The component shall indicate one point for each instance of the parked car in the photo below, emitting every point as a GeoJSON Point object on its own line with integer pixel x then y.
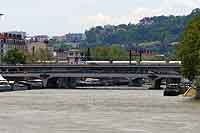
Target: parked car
{"type": "Point", "coordinates": [172, 90]}
{"type": "Point", "coordinates": [172, 87]}
{"type": "Point", "coordinates": [90, 82]}
{"type": "Point", "coordinates": [20, 86]}
{"type": "Point", "coordinates": [30, 84]}
{"type": "Point", "coordinates": [4, 86]}
{"type": "Point", "coordinates": [25, 83]}
{"type": "Point", "coordinates": [185, 85]}
{"type": "Point", "coordinates": [35, 84]}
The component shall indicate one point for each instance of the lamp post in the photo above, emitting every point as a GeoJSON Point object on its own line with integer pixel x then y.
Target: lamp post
{"type": "Point", "coordinates": [130, 56]}
{"type": "Point", "coordinates": [1, 54]}
{"type": "Point", "coordinates": [1, 15]}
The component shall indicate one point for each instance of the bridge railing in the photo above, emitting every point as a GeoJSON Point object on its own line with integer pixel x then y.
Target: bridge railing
{"type": "Point", "coordinates": [88, 72]}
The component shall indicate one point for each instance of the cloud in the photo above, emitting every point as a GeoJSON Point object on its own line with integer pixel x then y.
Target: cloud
{"type": "Point", "coordinates": [131, 17]}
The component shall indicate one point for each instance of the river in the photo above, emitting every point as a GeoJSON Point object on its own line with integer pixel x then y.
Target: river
{"type": "Point", "coordinates": [97, 111]}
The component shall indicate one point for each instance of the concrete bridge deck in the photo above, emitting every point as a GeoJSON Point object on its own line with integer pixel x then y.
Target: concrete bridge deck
{"type": "Point", "coordinates": [95, 75]}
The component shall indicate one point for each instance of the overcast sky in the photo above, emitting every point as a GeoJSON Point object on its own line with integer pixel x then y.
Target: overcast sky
{"type": "Point", "coordinates": [57, 17]}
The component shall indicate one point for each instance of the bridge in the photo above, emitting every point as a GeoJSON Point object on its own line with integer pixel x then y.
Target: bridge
{"type": "Point", "coordinates": [68, 74]}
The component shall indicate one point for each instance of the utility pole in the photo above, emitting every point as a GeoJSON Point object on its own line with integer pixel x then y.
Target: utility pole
{"type": "Point", "coordinates": [88, 54]}
{"type": "Point", "coordinates": [130, 56]}
{"type": "Point", "coordinates": [140, 52]}
{"type": "Point", "coordinates": [1, 52]}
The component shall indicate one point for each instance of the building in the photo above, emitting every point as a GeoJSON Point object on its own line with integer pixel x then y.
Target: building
{"type": "Point", "coordinates": [34, 46]}
{"type": "Point", "coordinates": [69, 56]}
{"type": "Point", "coordinates": [21, 33]}
{"type": "Point", "coordinates": [146, 21]}
{"type": "Point", "coordinates": [40, 38]}
{"type": "Point", "coordinates": [10, 41]}
{"type": "Point", "coordinates": [74, 56]}
{"type": "Point", "coordinates": [60, 54]}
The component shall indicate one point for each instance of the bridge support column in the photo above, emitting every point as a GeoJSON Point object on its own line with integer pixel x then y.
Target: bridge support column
{"type": "Point", "coordinates": [156, 84]}
{"type": "Point", "coordinates": [45, 83]}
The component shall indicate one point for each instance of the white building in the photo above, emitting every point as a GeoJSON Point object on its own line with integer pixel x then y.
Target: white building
{"type": "Point", "coordinates": [40, 38]}
{"type": "Point", "coordinates": [74, 56]}
{"type": "Point", "coordinates": [21, 33]}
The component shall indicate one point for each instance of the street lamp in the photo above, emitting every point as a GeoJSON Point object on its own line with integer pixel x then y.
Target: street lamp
{"type": "Point", "coordinates": [1, 14]}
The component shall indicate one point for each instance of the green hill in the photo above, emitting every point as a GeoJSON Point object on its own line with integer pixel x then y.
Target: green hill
{"type": "Point", "coordinates": [158, 32]}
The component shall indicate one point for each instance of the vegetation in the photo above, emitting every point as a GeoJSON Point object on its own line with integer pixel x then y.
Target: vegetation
{"type": "Point", "coordinates": [102, 53]}
{"type": "Point", "coordinates": [160, 32]}
{"type": "Point", "coordinates": [41, 55]}
{"type": "Point", "coordinates": [115, 53]}
{"type": "Point", "coordinates": [15, 56]}
{"type": "Point", "coordinates": [189, 50]}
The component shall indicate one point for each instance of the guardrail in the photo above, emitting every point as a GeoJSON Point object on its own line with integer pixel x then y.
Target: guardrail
{"type": "Point", "coordinates": [88, 72]}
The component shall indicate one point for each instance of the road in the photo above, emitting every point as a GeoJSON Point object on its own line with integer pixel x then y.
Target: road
{"type": "Point", "coordinates": [97, 111]}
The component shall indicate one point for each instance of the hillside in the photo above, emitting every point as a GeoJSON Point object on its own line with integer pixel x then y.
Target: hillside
{"type": "Point", "coordinates": [162, 31]}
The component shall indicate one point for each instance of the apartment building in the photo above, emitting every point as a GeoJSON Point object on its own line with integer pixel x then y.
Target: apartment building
{"type": "Point", "coordinates": [10, 41]}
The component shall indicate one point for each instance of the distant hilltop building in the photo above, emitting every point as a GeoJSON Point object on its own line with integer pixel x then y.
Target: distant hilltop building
{"type": "Point", "coordinates": [146, 21]}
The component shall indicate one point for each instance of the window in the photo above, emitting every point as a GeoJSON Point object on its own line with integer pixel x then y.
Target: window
{"type": "Point", "coordinates": [71, 53]}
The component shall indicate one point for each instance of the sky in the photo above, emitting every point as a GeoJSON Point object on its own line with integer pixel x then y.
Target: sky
{"type": "Point", "coordinates": [58, 17]}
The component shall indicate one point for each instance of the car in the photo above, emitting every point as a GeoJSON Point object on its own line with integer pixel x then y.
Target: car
{"type": "Point", "coordinates": [172, 87]}
{"type": "Point", "coordinates": [35, 83]}
{"type": "Point", "coordinates": [172, 90]}
{"type": "Point", "coordinates": [5, 86]}
{"type": "Point", "coordinates": [20, 86]}
{"type": "Point", "coordinates": [25, 83]}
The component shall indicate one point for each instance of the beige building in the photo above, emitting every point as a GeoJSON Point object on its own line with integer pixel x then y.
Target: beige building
{"type": "Point", "coordinates": [34, 46]}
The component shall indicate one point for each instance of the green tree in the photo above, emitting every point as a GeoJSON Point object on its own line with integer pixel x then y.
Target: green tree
{"type": "Point", "coordinates": [114, 52]}
{"type": "Point", "coordinates": [189, 50]}
{"type": "Point", "coordinates": [42, 55]}
{"type": "Point", "coordinates": [14, 56]}
{"type": "Point", "coordinates": [118, 53]}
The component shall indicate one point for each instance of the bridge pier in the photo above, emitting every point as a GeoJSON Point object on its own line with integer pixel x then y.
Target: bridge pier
{"type": "Point", "coordinates": [45, 82]}
{"type": "Point", "coordinates": [156, 83]}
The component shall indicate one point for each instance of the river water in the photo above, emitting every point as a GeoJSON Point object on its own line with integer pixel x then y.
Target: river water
{"type": "Point", "coordinates": [97, 111]}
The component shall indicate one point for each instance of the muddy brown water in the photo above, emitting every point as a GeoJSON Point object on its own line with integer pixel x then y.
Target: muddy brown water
{"type": "Point", "coordinates": [97, 111]}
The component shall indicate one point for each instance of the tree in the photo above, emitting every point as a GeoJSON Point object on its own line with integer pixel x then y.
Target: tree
{"type": "Point", "coordinates": [14, 56]}
{"type": "Point", "coordinates": [189, 50]}
{"type": "Point", "coordinates": [118, 53]}
{"type": "Point", "coordinates": [42, 55]}
{"type": "Point", "coordinates": [114, 52]}
{"type": "Point", "coordinates": [164, 29]}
